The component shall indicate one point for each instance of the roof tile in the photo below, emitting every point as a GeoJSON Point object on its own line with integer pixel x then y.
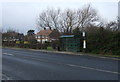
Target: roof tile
{"type": "Point", "coordinates": [44, 32]}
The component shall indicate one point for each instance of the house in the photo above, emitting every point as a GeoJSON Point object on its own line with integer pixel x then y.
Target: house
{"type": "Point", "coordinates": [12, 36]}
{"type": "Point", "coordinates": [47, 35]}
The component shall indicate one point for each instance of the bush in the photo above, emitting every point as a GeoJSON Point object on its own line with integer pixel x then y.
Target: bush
{"type": "Point", "coordinates": [103, 41]}
{"type": "Point", "coordinates": [55, 44]}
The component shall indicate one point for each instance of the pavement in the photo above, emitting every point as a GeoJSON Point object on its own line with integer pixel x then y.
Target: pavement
{"type": "Point", "coordinates": [29, 64]}
{"type": "Point", "coordinates": [79, 53]}
{"type": "Point", "coordinates": [73, 53]}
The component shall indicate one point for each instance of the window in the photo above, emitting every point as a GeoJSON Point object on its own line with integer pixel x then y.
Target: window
{"type": "Point", "coordinates": [36, 36]}
{"type": "Point", "coordinates": [38, 40]}
{"type": "Point", "coordinates": [42, 36]}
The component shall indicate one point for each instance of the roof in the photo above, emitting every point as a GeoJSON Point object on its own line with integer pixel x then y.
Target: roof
{"type": "Point", "coordinates": [44, 32]}
{"type": "Point", "coordinates": [68, 36]}
{"type": "Point", "coordinates": [11, 33]}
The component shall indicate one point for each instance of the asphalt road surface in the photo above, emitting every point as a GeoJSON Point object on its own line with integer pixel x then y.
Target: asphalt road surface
{"type": "Point", "coordinates": [22, 64]}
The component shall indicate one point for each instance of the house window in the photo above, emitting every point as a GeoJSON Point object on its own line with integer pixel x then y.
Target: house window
{"type": "Point", "coordinates": [36, 36]}
{"type": "Point", "coordinates": [38, 40]}
{"type": "Point", "coordinates": [43, 36]}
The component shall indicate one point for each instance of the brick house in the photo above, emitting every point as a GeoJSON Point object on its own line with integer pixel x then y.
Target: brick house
{"type": "Point", "coordinates": [47, 35]}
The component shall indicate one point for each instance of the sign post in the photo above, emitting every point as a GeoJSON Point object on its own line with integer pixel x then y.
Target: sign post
{"type": "Point", "coordinates": [84, 41]}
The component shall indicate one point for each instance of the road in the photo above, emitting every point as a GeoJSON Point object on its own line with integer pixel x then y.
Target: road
{"type": "Point", "coordinates": [23, 64]}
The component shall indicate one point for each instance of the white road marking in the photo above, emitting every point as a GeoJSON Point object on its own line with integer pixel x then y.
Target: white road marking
{"type": "Point", "coordinates": [93, 68]}
{"type": "Point", "coordinates": [8, 54]}
{"type": "Point", "coordinates": [5, 77]}
{"type": "Point", "coordinates": [84, 67]}
{"type": "Point", "coordinates": [106, 58]}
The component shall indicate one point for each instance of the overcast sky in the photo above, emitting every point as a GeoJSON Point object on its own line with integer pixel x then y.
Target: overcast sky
{"type": "Point", "coordinates": [22, 15]}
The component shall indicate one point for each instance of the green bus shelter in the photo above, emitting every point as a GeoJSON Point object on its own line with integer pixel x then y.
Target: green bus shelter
{"type": "Point", "coordinates": [70, 43]}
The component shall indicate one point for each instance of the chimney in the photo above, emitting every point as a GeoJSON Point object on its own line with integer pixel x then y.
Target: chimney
{"type": "Point", "coordinates": [50, 28]}
{"type": "Point", "coordinates": [44, 28]}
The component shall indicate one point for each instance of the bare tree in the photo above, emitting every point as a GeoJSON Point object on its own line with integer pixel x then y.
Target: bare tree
{"type": "Point", "coordinates": [86, 17]}
{"type": "Point", "coordinates": [112, 25]}
{"type": "Point", "coordinates": [49, 18]}
{"type": "Point", "coordinates": [67, 20]}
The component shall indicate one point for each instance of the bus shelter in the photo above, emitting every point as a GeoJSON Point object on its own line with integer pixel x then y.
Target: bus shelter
{"type": "Point", "coordinates": [70, 43]}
